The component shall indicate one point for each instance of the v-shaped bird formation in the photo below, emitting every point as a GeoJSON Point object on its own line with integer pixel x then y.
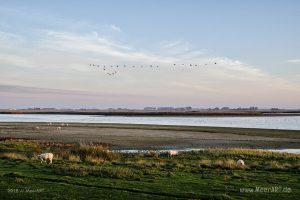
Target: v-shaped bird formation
{"type": "Point", "coordinates": [112, 70]}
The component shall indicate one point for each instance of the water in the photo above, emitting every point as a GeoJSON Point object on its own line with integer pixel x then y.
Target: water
{"type": "Point", "coordinates": [292, 151]}
{"type": "Point", "coordinates": [267, 122]}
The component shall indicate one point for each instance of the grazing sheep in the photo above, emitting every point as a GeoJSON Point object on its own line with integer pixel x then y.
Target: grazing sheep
{"type": "Point", "coordinates": [172, 153]}
{"type": "Point", "coordinates": [62, 124]}
{"type": "Point", "coordinates": [67, 124]}
{"type": "Point", "coordinates": [240, 163]}
{"type": "Point", "coordinates": [46, 156]}
{"type": "Point", "coordinates": [58, 128]}
{"type": "Point", "coordinates": [49, 124]}
{"type": "Point", "coordinates": [37, 128]}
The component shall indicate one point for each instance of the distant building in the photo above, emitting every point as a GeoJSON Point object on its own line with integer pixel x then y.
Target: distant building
{"type": "Point", "coordinates": [48, 109]}
{"type": "Point", "coordinates": [225, 108]}
{"type": "Point", "coordinates": [189, 108]}
{"type": "Point", "coordinates": [180, 109]}
{"type": "Point", "coordinates": [34, 108]}
{"type": "Point", "coordinates": [274, 109]}
{"type": "Point", "coordinates": [150, 108]}
{"type": "Point", "coordinates": [253, 108]}
{"type": "Point", "coordinates": [250, 108]}
{"type": "Point", "coordinates": [165, 108]}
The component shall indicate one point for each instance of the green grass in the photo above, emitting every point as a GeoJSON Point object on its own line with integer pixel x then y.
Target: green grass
{"type": "Point", "coordinates": [91, 171]}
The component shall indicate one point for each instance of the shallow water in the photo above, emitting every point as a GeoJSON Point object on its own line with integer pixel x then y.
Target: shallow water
{"type": "Point", "coordinates": [267, 122]}
{"type": "Point", "coordinates": [293, 151]}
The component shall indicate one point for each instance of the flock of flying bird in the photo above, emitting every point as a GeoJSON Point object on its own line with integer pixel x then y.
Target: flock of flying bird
{"type": "Point", "coordinates": [112, 69]}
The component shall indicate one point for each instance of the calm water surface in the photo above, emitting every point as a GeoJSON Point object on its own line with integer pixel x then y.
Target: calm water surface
{"type": "Point", "coordinates": [278, 122]}
{"type": "Point", "coordinates": [293, 151]}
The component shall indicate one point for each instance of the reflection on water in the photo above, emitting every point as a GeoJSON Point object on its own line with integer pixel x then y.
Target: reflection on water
{"type": "Point", "coordinates": [278, 122]}
{"type": "Point", "coordinates": [293, 151]}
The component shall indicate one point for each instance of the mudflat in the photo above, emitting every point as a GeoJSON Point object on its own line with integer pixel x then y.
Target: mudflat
{"type": "Point", "coordinates": [133, 136]}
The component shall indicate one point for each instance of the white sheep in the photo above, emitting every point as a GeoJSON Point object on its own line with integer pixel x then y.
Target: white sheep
{"type": "Point", "coordinates": [62, 124]}
{"type": "Point", "coordinates": [37, 128]}
{"type": "Point", "coordinates": [172, 153]}
{"type": "Point", "coordinates": [58, 128]}
{"type": "Point", "coordinates": [240, 163]}
{"type": "Point", "coordinates": [49, 124]}
{"type": "Point", "coordinates": [46, 156]}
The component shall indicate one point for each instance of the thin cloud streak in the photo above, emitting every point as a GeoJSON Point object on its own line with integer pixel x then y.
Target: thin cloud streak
{"type": "Point", "coordinates": [293, 61]}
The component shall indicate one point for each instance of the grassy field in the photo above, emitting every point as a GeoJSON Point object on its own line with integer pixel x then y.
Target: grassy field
{"type": "Point", "coordinates": [91, 171]}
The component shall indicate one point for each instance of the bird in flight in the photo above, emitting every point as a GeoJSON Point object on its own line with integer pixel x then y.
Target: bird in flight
{"type": "Point", "coordinates": [152, 66]}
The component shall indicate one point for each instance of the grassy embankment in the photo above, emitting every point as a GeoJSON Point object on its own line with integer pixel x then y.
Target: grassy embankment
{"type": "Point", "coordinates": [91, 171]}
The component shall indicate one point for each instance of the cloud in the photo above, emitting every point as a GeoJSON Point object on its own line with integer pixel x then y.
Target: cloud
{"type": "Point", "coordinates": [97, 45]}
{"type": "Point", "coordinates": [180, 48]}
{"type": "Point", "coordinates": [20, 97]}
{"type": "Point", "coordinates": [293, 61]}
{"type": "Point", "coordinates": [115, 28]}
{"type": "Point", "coordinates": [181, 44]}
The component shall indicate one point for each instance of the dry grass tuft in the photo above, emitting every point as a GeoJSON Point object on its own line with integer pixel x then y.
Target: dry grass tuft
{"type": "Point", "coordinates": [250, 153]}
{"type": "Point", "coordinates": [94, 160]}
{"type": "Point", "coordinates": [84, 150]}
{"type": "Point", "coordinates": [229, 164]}
{"type": "Point", "coordinates": [219, 163]}
{"type": "Point", "coordinates": [297, 166]}
{"type": "Point", "coordinates": [274, 165]}
{"type": "Point", "coordinates": [14, 156]}
{"type": "Point", "coordinates": [63, 154]}
{"type": "Point", "coordinates": [254, 165]}
{"type": "Point", "coordinates": [141, 162]}
{"type": "Point", "coordinates": [74, 158]}
{"type": "Point", "coordinates": [205, 163]}
{"type": "Point", "coordinates": [152, 154]}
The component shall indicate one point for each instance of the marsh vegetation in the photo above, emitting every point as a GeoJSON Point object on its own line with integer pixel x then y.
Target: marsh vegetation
{"type": "Point", "coordinates": [92, 170]}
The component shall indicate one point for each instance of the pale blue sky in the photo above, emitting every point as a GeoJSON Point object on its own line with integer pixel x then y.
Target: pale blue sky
{"type": "Point", "coordinates": [256, 43]}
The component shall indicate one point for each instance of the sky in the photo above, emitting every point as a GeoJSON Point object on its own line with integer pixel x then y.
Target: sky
{"type": "Point", "coordinates": [46, 48]}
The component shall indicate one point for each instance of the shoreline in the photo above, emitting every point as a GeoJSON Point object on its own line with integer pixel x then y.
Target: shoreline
{"type": "Point", "coordinates": [160, 113]}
